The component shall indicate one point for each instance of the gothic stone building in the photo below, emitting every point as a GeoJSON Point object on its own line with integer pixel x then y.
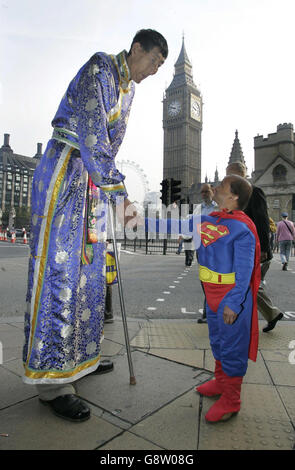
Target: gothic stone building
{"type": "Point", "coordinates": [16, 174]}
{"type": "Point", "coordinates": [275, 170]}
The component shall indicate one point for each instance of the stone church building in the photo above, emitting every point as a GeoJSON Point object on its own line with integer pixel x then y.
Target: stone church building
{"type": "Point", "coordinates": [275, 170]}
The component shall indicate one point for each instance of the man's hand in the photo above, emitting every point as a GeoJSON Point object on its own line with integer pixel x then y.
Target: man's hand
{"type": "Point", "coordinates": [229, 316]}
{"type": "Point", "coordinates": [263, 256]}
{"type": "Point", "coordinates": [128, 216]}
{"type": "Point", "coordinates": [131, 218]}
{"type": "Point", "coordinates": [130, 211]}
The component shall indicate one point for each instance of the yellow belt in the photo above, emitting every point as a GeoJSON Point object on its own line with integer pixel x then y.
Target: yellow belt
{"type": "Point", "coordinates": [206, 275]}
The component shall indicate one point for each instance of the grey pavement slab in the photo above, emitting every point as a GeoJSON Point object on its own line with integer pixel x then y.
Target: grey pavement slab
{"type": "Point", "coordinates": [129, 441]}
{"type": "Point", "coordinates": [282, 373]}
{"type": "Point", "coordinates": [190, 357]}
{"type": "Point", "coordinates": [287, 395]}
{"type": "Point", "coordinates": [172, 335]}
{"type": "Point", "coordinates": [175, 426]}
{"type": "Point", "coordinates": [31, 426]}
{"type": "Point", "coordinates": [262, 423]}
{"type": "Point", "coordinates": [158, 381]}
{"type": "Point", "coordinates": [12, 389]}
{"type": "Point", "coordinates": [279, 338]}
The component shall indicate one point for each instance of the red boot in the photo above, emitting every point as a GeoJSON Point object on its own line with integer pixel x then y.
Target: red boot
{"type": "Point", "coordinates": [229, 403]}
{"type": "Point", "coordinates": [215, 386]}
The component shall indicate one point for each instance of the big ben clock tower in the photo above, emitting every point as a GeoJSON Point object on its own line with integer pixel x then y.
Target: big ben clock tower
{"type": "Point", "coordinates": [182, 123]}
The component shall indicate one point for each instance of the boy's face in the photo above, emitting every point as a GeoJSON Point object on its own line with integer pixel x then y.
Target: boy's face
{"type": "Point", "coordinates": [223, 195]}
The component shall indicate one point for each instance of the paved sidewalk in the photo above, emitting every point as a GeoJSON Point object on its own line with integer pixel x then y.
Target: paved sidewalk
{"type": "Point", "coordinates": [162, 411]}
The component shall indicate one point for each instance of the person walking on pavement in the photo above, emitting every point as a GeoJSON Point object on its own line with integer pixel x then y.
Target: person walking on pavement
{"type": "Point", "coordinates": [258, 213]}
{"type": "Point", "coordinates": [273, 230]}
{"type": "Point", "coordinates": [285, 237]}
{"type": "Point", "coordinates": [189, 250]}
{"type": "Point", "coordinates": [229, 258]}
{"type": "Point", "coordinates": [72, 187]}
{"type": "Point", "coordinates": [207, 206]}
{"type": "Point", "coordinates": [180, 245]}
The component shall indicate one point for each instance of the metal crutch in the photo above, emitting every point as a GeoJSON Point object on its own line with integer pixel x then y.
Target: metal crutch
{"type": "Point", "coordinates": [123, 311]}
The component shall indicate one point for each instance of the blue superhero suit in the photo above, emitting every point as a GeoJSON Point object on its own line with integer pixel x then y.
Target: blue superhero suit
{"type": "Point", "coordinates": [229, 257]}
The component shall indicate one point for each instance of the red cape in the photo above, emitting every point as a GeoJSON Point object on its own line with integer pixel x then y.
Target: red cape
{"type": "Point", "coordinates": [255, 278]}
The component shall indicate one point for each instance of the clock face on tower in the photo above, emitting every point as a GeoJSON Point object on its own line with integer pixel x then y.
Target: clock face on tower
{"type": "Point", "coordinates": [195, 107]}
{"type": "Point", "coordinates": [174, 108]}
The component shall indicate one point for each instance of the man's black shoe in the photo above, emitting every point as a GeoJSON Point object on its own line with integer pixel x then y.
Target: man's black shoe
{"type": "Point", "coordinates": [271, 324]}
{"type": "Point", "coordinates": [68, 407]}
{"type": "Point", "coordinates": [285, 267]}
{"type": "Point", "coordinates": [202, 320]}
{"type": "Point", "coordinates": [104, 367]}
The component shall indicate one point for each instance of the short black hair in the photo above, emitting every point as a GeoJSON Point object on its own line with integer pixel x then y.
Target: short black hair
{"type": "Point", "coordinates": [241, 188]}
{"type": "Point", "coordinates": [148, 39]}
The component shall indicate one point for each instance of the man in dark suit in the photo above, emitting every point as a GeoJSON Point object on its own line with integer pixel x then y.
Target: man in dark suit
{"type": "Point", "coordinates": [257, 211]}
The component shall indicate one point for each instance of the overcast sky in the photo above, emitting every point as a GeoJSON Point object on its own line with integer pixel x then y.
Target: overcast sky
{"type": "Point", "coordinates": [242, 53]}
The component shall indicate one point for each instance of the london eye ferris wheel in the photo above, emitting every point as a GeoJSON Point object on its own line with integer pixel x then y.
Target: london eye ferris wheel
{"type": "Point", "coordinates": [136, 181]}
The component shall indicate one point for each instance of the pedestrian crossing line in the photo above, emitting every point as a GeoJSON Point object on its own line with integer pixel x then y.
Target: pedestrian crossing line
{"type": "Point", "coordinates": [183, 310]}
{"type": "Point", "coordinates": [289, 314]}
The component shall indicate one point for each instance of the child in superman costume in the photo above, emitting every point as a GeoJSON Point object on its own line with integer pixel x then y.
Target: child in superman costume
{"type": "Point", "coordinates": [229, 258]}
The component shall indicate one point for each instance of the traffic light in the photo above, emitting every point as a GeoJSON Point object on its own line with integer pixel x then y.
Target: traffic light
{"type": "Point", "coordinates": [175, 190]}
{"type": "Point", "coordinates": [165, 192]}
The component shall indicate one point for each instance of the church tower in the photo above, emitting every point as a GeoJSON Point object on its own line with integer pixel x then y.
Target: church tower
{"type": "Point", "coordinates": [182, 124]}
{"type": "Point", "coordinates": [236, 154]}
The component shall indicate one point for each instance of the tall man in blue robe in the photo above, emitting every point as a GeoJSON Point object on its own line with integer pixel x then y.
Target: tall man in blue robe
{"type": "Point", "coordinates": [72, 187]}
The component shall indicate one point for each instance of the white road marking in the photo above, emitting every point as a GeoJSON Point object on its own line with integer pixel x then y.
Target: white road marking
{"type": "Point", "coordinates": [151, 308]}
{"type": "Point", "coordinates": [160, 300]}
{"type": "Point", "coordinates": [166, 292]}
{"type": "Point", "coordinates": [289, 314]}
{"type": "Point", "coordinates": [183, 310]}
{"type": "Point", "coordinates": [172, 287]}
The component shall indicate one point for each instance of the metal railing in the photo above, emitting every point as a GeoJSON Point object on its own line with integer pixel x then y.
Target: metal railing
{"type": "Point", "coordinates": [149, 246]}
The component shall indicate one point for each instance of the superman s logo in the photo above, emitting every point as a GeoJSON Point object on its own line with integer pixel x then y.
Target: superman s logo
{"type": "Point", "coordinates": [211, 233]}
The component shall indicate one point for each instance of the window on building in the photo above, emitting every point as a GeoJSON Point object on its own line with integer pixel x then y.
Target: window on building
{"type": "Point", "coordinates": [279, 174]}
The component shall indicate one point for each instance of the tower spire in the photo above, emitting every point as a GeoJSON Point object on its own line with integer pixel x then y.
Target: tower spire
{"type": "Point", "coordinates": [183, 74]}
{"type": "Point", "coordinates": [216, 176]}
{"type": "Point", "coordinates": [236, 154]}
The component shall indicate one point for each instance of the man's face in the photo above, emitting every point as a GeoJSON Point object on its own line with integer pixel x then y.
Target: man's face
{"type": "Point", "coordinates": [144, 64]}
{"type": "Point", "coordinates": [206, 193]}
{"type": "Point", "coordinates": [223, 195]}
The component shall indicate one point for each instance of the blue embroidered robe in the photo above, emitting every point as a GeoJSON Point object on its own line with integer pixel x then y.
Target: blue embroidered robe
{"type": "Point", "coordinates": [65, 298]}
